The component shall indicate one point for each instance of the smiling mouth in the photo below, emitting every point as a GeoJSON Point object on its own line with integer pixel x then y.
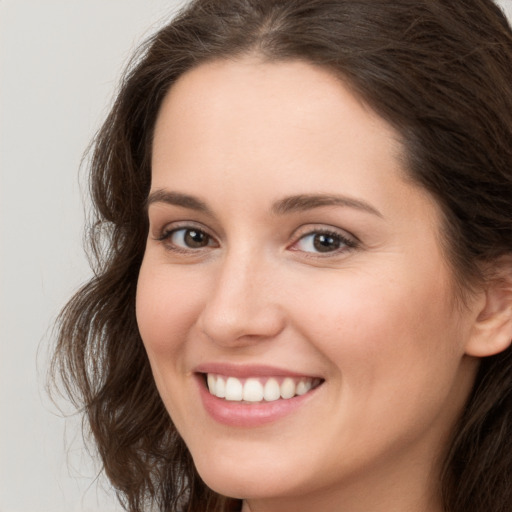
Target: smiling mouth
{"type": "Point", "coordinates": [259, 389]}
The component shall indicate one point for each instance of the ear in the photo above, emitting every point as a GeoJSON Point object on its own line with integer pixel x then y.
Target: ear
{"type": "Point", "coordinates": [492, 330]}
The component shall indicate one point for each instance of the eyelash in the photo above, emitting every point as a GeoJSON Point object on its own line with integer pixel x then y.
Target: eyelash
{"type": "Point", "coordinates": [167, 234]}
{"type": "Point", "coordinates": [345, 242]}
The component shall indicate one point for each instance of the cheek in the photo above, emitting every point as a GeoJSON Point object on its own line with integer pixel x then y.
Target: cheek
{"type": "Point", "coordinates": [376, 330]}
{"type": "Point", "coordinates": [166, 306]}
{"type": "Point", "coordinates": [395, 355]}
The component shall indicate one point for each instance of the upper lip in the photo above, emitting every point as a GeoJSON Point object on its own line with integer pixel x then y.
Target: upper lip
{"type": "Point", "coordinates": [248, 370]}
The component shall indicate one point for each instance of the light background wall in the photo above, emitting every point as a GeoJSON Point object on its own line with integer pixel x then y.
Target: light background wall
{"type": "Point", "coordinates": [59, 64]}
{"type": "Point", "coordinates": [60, 61]}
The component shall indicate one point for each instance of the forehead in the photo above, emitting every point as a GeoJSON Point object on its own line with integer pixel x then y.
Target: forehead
{"type": "Point", "coordinates": [293, 93]}
{"type": "Point", "coordinates": [273, 108]}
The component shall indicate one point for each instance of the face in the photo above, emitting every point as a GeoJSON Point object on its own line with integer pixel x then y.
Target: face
{"type": "Point", "coordinates": [292, 267]}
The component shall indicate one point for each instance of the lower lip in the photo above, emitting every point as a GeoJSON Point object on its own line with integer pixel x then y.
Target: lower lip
{"type": "Point", "coordinates": [237, 414]}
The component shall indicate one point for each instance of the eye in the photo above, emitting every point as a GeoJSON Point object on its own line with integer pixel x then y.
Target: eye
{"type": "Point", "coordinates": [323, 242]}
{"type": "Point", "coordinates": [187, 239]}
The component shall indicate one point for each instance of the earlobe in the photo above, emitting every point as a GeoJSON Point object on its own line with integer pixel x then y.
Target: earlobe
{"type": "Point", "coordinates": [492, 330]}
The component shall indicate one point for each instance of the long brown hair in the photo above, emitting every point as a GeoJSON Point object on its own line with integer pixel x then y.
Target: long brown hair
{"type": "Point", "coordinates": [440, 72]}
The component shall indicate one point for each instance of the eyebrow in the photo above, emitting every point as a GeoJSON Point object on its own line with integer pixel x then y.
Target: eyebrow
{"type": "Point", "coordinates": [304, 202]}
{"type": "Point", "coordinates": [177, 199]}
{"type": "Point", "coordinates": [296, 203]}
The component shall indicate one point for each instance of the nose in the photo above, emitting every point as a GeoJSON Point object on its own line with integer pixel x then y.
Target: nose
{"type": "Point", "coordinates": [243, 306]}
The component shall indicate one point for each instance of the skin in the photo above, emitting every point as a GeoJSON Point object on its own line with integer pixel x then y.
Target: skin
{"type": "Point", "coordinates": [377, 319]}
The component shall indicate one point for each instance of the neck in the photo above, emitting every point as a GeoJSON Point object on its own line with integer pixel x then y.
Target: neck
{"type": "Point", "coordinates": [330, 503]}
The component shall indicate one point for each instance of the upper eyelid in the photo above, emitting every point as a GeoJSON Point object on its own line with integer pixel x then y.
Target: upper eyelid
{"type": "Point", "coordinates": [169, 227]}
{"type": "Point", "coordinates": [308, 229]}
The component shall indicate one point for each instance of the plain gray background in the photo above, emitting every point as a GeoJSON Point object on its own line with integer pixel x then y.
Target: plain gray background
{"type": "Point", "coordinates": [59, 65]}
{"type": "Point", "coordinates": [60, 61]}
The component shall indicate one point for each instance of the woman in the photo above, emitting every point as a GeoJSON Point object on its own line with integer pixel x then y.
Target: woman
{"type": "Point", "coordinates": [303, 289]}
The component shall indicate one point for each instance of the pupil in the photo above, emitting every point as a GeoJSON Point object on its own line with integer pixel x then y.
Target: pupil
{"type": "Point", "coordinates": [325, 243]}
{"type": "Point", "coordinates": [196, 238]}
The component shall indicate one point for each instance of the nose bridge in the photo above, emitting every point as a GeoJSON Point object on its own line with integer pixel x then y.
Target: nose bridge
{"type": "Point", "coordinates": [242, 304]}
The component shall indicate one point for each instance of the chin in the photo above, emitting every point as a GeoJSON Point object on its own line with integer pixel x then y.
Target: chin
{"type": "Point", "coordinates": [248, 479]}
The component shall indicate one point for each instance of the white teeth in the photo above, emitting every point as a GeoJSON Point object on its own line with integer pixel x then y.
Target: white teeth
{"type": "Point", "coordinates": [211, 383]}
{"type": "Point", "coordinates": [220, 388]}
{"type": "Point", "coordinates": [258, 389]}
{"type": "Point", "coordinates": [271, 391]}
{"type": "Point", "coordinates": [303, 387]}
{"type": "Point", "coordinates": [234, 389]}
{"type": "Point", "coordinates": [287, 388]}
{"type": "Point", "coordinates": [253, 390]}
